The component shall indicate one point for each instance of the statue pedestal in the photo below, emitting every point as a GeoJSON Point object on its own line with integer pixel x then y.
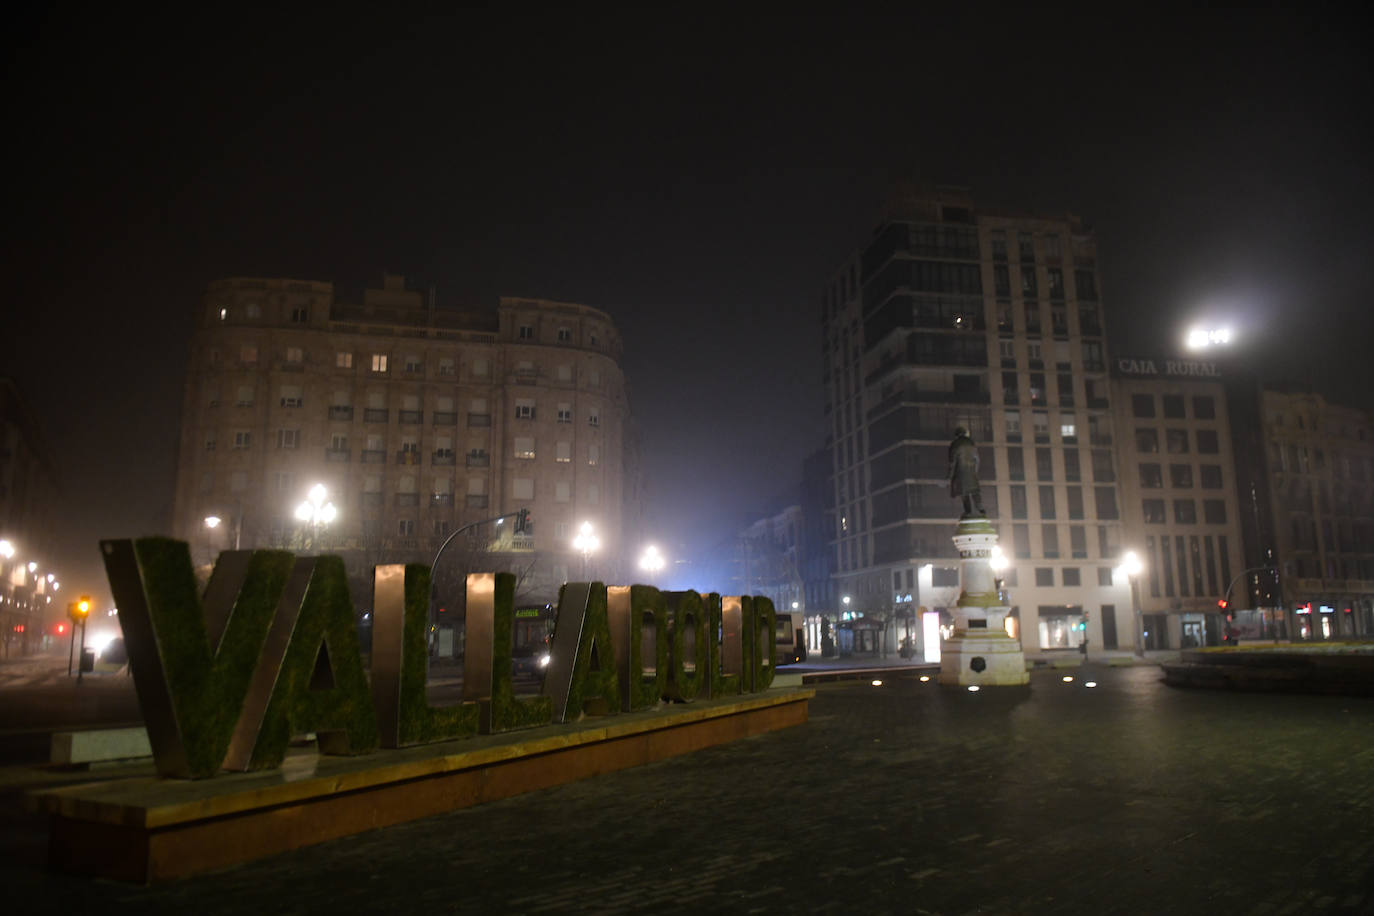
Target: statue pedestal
{"type": "Point", "coordinates": [980, 651]}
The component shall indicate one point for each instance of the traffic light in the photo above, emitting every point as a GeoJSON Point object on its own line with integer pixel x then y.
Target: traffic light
{"type": "Point", "coordinates": [79, 610]}
{"type": "Point", "coordinates": [1221, 603]}
{"type": "Point", "coordinates": [522, 522]}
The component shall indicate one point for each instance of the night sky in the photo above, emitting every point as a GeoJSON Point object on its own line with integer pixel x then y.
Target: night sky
{"type": "Point", "coordinates": [695, 174]}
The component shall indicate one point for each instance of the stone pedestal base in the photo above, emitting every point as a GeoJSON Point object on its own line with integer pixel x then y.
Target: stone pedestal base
{"type": "Point", "coordinates": [980, 651]}
{"type": "Point", "coordinates": [988, 658]}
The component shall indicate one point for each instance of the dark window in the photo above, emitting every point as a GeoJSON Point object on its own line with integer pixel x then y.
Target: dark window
{"type": "Point", "coordinates": [1103, 472]}
{"type": "Point", "coordinates": [1177, 441]}
{"type": "Point", "coordinates": [1143, 405]}
{"type": "Point", "coordinates": [1044, 464]}
{"type": "Point", "coordinates": [1071, 576]}
{"type": "Point", "coordinates": [1153, 510]}
{"type": "Point", "coordinates": [1173, 406]}
{"type": "Point", "coordinates": [1214, 511]}
{"type": "Point", "coordinates": [1150, 476]}
{"type": "Point", "coordinates": [1146, 441]}
{"type": "Point", "coordinates": [1078, 542]}
{"type": "Point", "coordinates": [1211, 476]}
{"type": "Point", "coordinates": [1106, 502]}
{"type": "Point", "coordinates": [1185, 512]}
{"type": "Point", "coordinates": [1204, 408]}
{"type": "Point", "coordinates": [1047, 502]}
{"type": "Point", "coordinates": [1075, 502]}
{"type": "Point", "coordinates": [1104, 576]}
{"type": "Point", "coordinates": [1049, 537]}
{"type": "Point", "coordinates": [1207, 442]}
{"type": "Point", "coordinates": [1086, 284]}
{"type": "Point", "coordinates": [1044, 576]}
{"type": "Point", "coordinates": [1001, 278]}
{"type": "Point", "coordinates": [1181, 475]}
{"type": "Point", "coordinates": [1071, 468]}
{"type": "Point", "coordinates": [1018, 502]}
{"type": "Point", "coordinates": [1016, 465]}
{"type": "Point", "coordinates": [1020, 537]}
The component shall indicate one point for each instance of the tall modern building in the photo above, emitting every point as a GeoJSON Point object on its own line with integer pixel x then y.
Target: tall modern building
{"type": "Point", "coordinates": [418, 421]}
{"type": "Point", "coordinates": [953, 314]}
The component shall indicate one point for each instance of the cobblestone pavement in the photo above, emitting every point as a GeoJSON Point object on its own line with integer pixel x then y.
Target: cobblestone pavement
{"type": "Point", "coordinates": [1130, 797]}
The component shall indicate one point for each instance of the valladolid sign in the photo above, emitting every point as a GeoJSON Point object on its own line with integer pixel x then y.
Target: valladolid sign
{"type": "Point", "coordinates": [225, 679]}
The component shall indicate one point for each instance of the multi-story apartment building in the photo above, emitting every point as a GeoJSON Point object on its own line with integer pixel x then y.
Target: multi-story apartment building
{"type": "Point", "coordinates": [1319, 466]}
{"type": "Point", "coordinates": [1179, 497]}
{"type": "Point", "coordinates": [28, 519]}
{"type": "Point", "coordinates": [418, 421]}
{"type": "Point", "coordinates": [955, 315]}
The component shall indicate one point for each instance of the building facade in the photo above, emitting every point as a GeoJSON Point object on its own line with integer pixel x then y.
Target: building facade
{"type": "Point", "coordinates": [956, 315]}
{"type": "Point", "coordinates": [418, 421]}
{"type": "Point", "coordinates": [29, 493]}
{"type": "Point", "coordinates": [1180, 501]}
{"type": "Point", "coordinates": [1319, 462]}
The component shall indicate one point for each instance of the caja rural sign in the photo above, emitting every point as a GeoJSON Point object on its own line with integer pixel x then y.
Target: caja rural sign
{"type": "Point", "coordinates": [269, 650]}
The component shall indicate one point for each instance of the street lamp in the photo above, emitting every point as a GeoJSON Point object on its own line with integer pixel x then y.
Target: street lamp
{"type": "Point", "coordinates": [1202, 338]}
{"type": "Point", "coordinates": [316, 511]}
{"type": "Point", "coordinates": [1132, 567]}
{"type": "Point", "coordinates": [652, 561]}
{"type": "Point", "coordinates": [587, 543]}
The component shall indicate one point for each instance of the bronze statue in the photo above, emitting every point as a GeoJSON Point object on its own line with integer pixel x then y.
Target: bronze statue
{"type": "Point", "coordinates": [963, 473]}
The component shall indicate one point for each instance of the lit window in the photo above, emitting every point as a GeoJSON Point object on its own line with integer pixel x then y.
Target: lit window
{"type": "Point", "coordinates": [343, 360]}
{"type": "Point", "coordinates": [563, 453]}
{"type": "Point", "coordinates": [379, 361]}
{"type": "Point", "coordinates": [524, 447]}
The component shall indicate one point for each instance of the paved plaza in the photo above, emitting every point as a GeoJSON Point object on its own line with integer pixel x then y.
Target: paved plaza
{"type": "Point", "coordinates": [1126, 797]}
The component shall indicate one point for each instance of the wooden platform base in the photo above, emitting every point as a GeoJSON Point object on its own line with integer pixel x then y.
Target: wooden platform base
{"type": "Point", "coordinates": [147, 829]}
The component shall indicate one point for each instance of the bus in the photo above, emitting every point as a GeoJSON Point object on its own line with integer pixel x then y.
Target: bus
{"type": "Point", "coordinates": [531, 640]}
{"type": "Point", "coordinates": [790, 638]}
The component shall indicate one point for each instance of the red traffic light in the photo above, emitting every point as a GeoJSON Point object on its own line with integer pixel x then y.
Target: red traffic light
{"type": "Point", "coordinates": [61, 628]}
{"type": "Point", "coordinates": [1221, 603]}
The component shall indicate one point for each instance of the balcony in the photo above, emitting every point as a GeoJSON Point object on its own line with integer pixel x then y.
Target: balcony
{"type": "Point", "coordinates": [442, 457]}
{"type": "Point", "coordinates": [407, 500]}
{"type": "Point", "coordinates": [522, 542]}
{"type": "Point", "coordinates": [478, 461]}
{"type": "Point", "coordinates": [1098, 402]}
{"type": "Point", "coordinates": [405, 456]}
{"type": "Point", "coordinates": [412, 416]}
{"type": "Point", "coordinates": [340, 413]}
{"type": "Point", "coordinates": [1099, 438]}
{"type": "Point", "coordinates": [441, 500]}
{"type": "Point", "coordinates": [479, 419]}
{"type": "Point", "coordinates": [375, 414]}
{"type": "Point", "coordinates": [444, 418]}
{"type": "Point", "coordinates": [338, 454]}
{"type": "Point", "coordinates": [476, 501]}
{"type": "Point", "coordinates": [373, 456]}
